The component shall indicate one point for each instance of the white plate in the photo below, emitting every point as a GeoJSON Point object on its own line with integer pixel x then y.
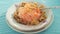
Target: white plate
{"type": "Point", "coordinates": [19, 27]}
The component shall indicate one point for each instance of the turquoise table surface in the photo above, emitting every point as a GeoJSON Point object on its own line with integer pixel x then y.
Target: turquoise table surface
{"type": "Point", "coordinates": [53, 29]}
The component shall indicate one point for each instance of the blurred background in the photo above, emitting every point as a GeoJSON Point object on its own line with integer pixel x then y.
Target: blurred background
{"type": "Point", "coordinates": [53, 29]}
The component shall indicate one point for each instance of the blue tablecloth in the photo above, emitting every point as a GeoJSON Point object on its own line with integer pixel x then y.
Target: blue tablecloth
{"type": "Point", "coordinates": [53, 29]}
